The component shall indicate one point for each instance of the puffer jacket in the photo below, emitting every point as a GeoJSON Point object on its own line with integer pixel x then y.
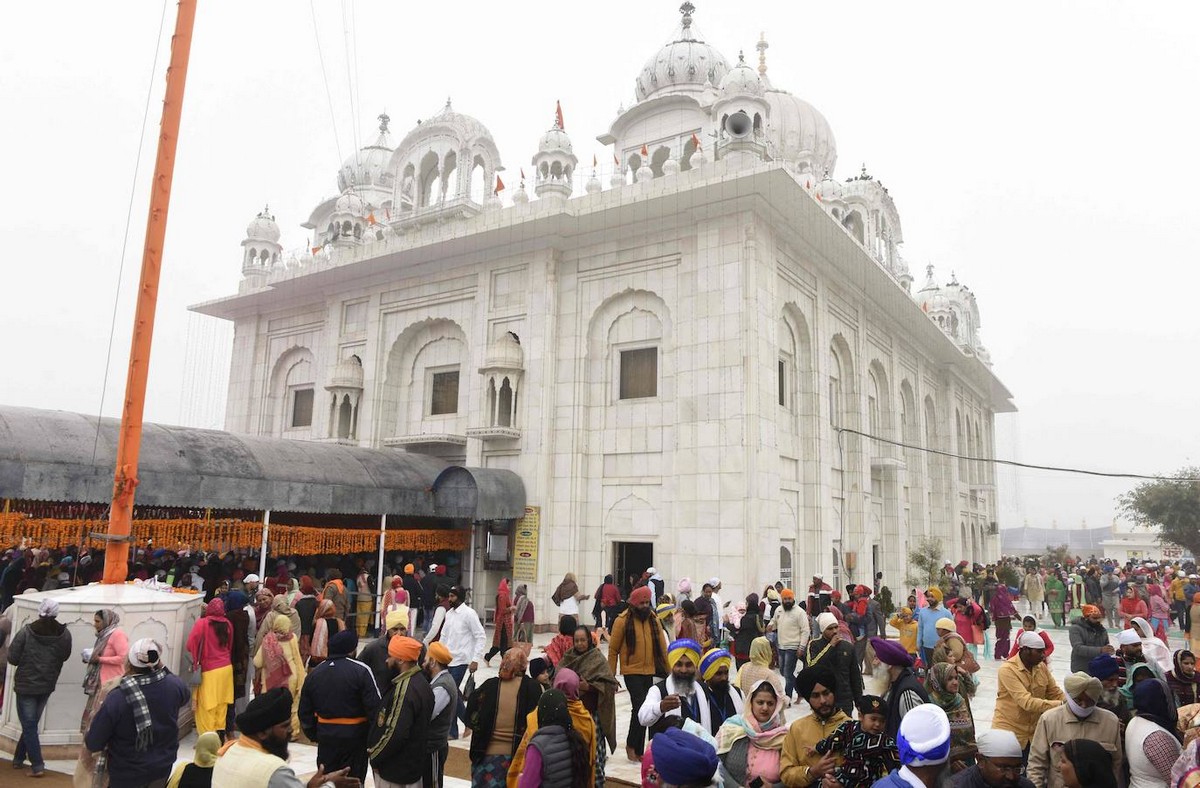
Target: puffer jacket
{"type": "Point", "coordinates": [39, 651]}
{"type": "Point", "coordinates": [1087, 640]}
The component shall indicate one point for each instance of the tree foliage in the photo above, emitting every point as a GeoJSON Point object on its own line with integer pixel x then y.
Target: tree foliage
{"type": "Point", "coordinates": [1170, 505]}
{"type": "Point", "coordinates": [925, 564]}
{"type": "Point", "coordinates": [1057, 555]}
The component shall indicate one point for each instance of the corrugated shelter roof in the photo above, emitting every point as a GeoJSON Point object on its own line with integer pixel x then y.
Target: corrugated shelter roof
{"type": "Point", "coordinates": [47, 455]}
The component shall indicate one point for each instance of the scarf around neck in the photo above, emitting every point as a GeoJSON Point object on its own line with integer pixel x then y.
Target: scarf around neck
{"type": "Point", "coordinates": [131, 687]}
{"type": "Point", "coordinates": [390, 717]}
{"type": "Point", "coordinates": [91, 680]}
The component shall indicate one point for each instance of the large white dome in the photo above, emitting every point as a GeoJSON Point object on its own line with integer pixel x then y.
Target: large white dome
{"type": "Point", "coordinates": [685, 63]}
{"type": "Point", "coordinates": [369, 166]}
{"type": "Point", "coordinates": [799, 133]}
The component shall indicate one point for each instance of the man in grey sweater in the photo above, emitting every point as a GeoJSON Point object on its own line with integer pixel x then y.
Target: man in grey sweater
{"type": "Point", "coordinates": [38, 651]}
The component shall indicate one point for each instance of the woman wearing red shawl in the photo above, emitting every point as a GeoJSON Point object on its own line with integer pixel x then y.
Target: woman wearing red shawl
{"type": "Point", "coordinates": [209, 645]}
{"type": "Point", "coordinates": [1133, 607]}
{"type": "Point", "coordinates": [1002, 615]}
{"type": "Point", "coordinates": [279, 661]}
{"type": "Point", "coordinates": [325, 626]}
{"type": "Point", "coordinates": [504, 622]}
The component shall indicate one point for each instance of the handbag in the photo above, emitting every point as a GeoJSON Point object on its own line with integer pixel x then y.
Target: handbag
{"type": "Point", "coordinates": [468, 688]}
{"type": "Point", "coordinates": [194, 673]}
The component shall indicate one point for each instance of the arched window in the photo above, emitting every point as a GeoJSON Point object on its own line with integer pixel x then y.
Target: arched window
{"type": "Point", "coordinates": [854, 223]}
{"type": "Point", "coordinates": [660, 155]}
{"type": "Point", "coordinates": [504, 407]}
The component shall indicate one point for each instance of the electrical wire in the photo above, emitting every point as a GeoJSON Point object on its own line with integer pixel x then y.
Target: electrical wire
{"type": "Point", "coordinates": [137, 164]}
{"type": "Point", "coordinates": [1014, 463]}
{"type": "Point", "coordinates": [325, 78]}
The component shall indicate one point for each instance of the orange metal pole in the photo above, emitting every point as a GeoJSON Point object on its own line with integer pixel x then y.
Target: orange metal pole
{"type": "Point", "coordinates": [116, 553]}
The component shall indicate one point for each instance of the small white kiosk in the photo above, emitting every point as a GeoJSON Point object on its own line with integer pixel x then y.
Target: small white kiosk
{"type": "Point", "coordinates": [165, 616]}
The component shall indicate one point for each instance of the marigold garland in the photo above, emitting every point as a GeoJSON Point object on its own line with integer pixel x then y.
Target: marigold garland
{"type": "Point", "coordinates": [223, 535]}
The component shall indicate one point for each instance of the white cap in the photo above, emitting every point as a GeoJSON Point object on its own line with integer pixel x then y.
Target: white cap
{"type": "Point", "coordinates": [924, 736]}
{"type": "Point", "coordinates": [651, 571]}
{"type": "Point", "coordinates": [714, 581]}
{"type": "Point", "coordinates": [1031, 640]}
{"type": "Point", "coordinates": [825, 620]}
{"type": "Point", "coordinates": [48, 608]}
{"type": "Point", "coordinates": [432, 567]}
{"type": "Point", "coordinates": [1128, 637]}
{"type": "Point", "coordinates": [997, 743]}
{"type": "Point", "coordinates": [252, 578]}
{"type": "Point", "coordinates": [145, 653]}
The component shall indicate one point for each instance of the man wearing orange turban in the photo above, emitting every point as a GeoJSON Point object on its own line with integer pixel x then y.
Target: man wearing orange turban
{"type": "Point", "coordinates": [396, 743]}
{"type": "Point", "coordinates": [445, 701]}
{"type": "Point", "coordinates": [1089, 638]}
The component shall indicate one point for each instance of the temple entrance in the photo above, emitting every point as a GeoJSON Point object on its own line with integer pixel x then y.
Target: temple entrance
{"type": "Point", "coordinates": [631, 559]}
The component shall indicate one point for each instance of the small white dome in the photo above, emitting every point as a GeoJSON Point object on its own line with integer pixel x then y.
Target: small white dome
{"type": "Point", "coordinates": [369, 166]}
{"type": "Point", "coordinates": [350, 203]}
{"type": "Point", "coordinates": [263, 228]}
{"type": "Point", "coordinates": [347, 374]}
{"type": "Point", "coordinates": [685, 62]}
{"type": "Point", "coordinates": [741, 81]}
{"type": "Point", "coordinates": [829, 189]}
{"type": "Point", "coordinates": [555, 140]}
{"type": "Point", "coordinates": [505, 353]}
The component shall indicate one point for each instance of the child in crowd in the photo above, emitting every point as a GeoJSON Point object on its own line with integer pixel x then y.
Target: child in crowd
{"type": "Point", "coordinates": [868, 753]}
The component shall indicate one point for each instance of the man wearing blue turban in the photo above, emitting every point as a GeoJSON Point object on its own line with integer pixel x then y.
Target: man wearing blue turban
{"type": "Point", "coordinates": [680, 694]}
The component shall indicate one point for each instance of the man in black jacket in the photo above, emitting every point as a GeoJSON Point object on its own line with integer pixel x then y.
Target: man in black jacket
{"type": "Point", "coordinates": [38, 651]}
{"type": "Point", "coordinates": [400, 730]}
{"type": "Point", "coordinates": [337, 703]}
{"type": "Point", "coordinates": [375, 655]}
{"type": "Point", "coordinates": [1089, 638]}
{"type": "Point", "coordinates": [835, 654]}
{"type": "Point", "coordinates": [905, 691]}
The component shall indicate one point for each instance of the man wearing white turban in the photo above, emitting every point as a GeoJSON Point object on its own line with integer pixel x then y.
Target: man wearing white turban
{"type": "Point", "coordinates": [924, 744]}
{"type": "Point", "coordinates": [1078, 718]}
{"type": "Point", "coordinates": [998, 764]}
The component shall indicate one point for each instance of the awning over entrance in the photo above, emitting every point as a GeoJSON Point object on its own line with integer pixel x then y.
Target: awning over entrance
{"type": "Point", "coordinates": [48, 456]}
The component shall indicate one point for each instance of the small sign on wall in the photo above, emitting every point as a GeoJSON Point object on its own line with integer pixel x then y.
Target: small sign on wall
{"type": "Point", "coordinates": [525, 545]}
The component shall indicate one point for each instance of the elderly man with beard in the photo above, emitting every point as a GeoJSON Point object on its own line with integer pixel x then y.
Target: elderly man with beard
{"type": "Point", "coordinates": [1078, 718]}
{"type": "Point", "coordinates": [258, 759]}
{"type": "Point", "coordinates": [678, 695]}
{"type": "Point", "coordinates": [1089, 638]}
{"type": "Point", "coordinates": [639, 642]}
{"type": "Point", "coordinates": [1105, 668]}
{"type": "Point", "coordinates": [792, 630]}
{"type": "Point", "coordinates": [998, 764]}
{"type": "Point", "coordinates": [800, 764]}
{"type": "Point", "coordinates": [1130, 652]}
{"type": "Point", "coordinates": [724, 699]}
{"type": "Point", "coordinates": [400, 731]}
{"type": "Point", "coordinates": [905, 691]}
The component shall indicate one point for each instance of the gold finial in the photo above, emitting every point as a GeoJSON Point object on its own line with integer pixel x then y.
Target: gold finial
{"type": "Point", "coordinates": [762, 52]}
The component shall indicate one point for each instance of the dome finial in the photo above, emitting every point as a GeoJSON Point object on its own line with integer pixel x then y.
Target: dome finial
{"type": "Point", "coordinates": [953, 278]}
{"type": "Point", "coordinates": [687, 9]}
{"type": "Point", "coordinates": [761, 46]}
{"type": "Point", "coordinates": [383, 121]}
{"type": "Point", "coordinates": [929, 275]}
{"type": "Point", "coordinates": [741, 58]}
{"type": "Point", "coordinates": [447, 102]}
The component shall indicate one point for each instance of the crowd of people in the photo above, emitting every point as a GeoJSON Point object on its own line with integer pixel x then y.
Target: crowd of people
{"type": "Point", "coordinates": [888, 691]}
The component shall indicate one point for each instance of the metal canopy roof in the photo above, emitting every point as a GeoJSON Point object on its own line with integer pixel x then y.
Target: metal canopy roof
{"type": "Point", "coordinates": [47, 455]}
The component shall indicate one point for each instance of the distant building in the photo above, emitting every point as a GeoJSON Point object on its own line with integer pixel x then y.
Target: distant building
{"type": "Point", "coordinates": [1120, 541]}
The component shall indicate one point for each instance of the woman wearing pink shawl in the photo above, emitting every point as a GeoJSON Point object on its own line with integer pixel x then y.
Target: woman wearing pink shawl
{"type": "Point", "coordinates": [750, 743]}
{"type": "Point", "coordinates": [209, 645]}
{"type": "Point", "coordinates": [279, 661]}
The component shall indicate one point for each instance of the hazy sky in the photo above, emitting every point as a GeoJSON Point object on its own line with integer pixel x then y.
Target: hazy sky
{"type": "Point", "coordinates": [1045, 152]}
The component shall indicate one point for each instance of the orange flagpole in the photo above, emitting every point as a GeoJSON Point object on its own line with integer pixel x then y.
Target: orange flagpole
{"type": "Point", "coordinates": [116, 553]}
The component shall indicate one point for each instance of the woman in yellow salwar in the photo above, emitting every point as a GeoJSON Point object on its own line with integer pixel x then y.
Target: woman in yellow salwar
{"type": "Point", "coordinates": [209, 645]}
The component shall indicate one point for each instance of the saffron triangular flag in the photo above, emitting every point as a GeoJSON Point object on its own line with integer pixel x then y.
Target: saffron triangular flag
{"type": "Point", "coordinates": [645, 151]}
{"type": "Point", "coordinates": [522, 175]}
{"type": "Point", "coordinates": [371, 218]}
{"type": "Point", "coordinates": [593, 161]}
{"type": "Point", "coordinates": [696, 140]}
{"type": "Point", "coordinates": [499, 185]}
{"type": "Point", "coordinates": [558, 118]}
{"type": "Point", "coordinates": [616, 161]}
{"type": "Point", "coordinates": [316, 249]}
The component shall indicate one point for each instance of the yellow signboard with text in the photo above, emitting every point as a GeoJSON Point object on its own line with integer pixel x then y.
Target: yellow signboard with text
{"type": "Point", "coordinates": [525, 545]}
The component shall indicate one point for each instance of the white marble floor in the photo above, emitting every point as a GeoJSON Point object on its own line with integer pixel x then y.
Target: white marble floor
{"type": "Point", "coordinates": [303, 757]}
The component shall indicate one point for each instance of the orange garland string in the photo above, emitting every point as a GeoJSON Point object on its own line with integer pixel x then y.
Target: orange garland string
{"type": "Point", "coordinates": [221, 535]}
